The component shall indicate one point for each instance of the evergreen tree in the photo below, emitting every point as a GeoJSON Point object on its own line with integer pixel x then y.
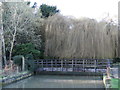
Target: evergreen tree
{"type": "Point", "coordinates": [48, 10]}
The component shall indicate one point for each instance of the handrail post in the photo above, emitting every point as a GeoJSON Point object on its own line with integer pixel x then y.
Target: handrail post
{"type": "Point", "coordinates": [95, 65]}
{"type": "Point", "coordinates": [83, 66]}
{"type": "Point", "coordinates": [75, 65]}
{"type": "Point", "coordinates": [108, 68]}
{"type": "Point", "coordinates": [42, 64]}
{"type": "Point", "coordinates": [46, 62]}
{"type": "Point", "coordinates": [66, 65]}
{"type": "Point", "coordinates": [61, 65]}
{"type": "Point", "coordinates": [52, 65]}
{"type": "Point", "coordinates": [72, 65]}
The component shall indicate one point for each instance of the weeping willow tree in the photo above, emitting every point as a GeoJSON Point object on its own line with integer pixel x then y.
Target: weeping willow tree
{"type": "Point", "coordinates": [83, 38]}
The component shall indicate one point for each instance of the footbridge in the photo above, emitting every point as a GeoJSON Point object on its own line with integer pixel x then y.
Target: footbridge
{"type": "Point", "coordinates": [73, 65]}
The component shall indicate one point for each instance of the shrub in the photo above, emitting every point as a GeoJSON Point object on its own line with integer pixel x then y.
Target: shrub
{"type": "Point", "coordinates": [116, 60]}
{"type": "Point", "coordinates": [30, 65]}
{"type": "Point", "coordinates": [18, 60]}
{"type": "Point", "coordinates": [28, 50]}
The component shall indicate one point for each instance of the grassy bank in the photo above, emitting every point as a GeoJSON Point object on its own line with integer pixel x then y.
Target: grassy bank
{"type": "Point", "coordinates": [115, 83]}
{"type": "Point", "coordinates": [4, 80]}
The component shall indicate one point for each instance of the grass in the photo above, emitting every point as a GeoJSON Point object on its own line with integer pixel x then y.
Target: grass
{"type": "Point", "coordinates": [115, 83]}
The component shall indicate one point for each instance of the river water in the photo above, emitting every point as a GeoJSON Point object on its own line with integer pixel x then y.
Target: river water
{"type": "Point", "coordinates": [57, 81]}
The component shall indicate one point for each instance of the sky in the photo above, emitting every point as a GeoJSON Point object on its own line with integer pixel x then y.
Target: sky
{"type": "Point", "coordinates": [96, 9]}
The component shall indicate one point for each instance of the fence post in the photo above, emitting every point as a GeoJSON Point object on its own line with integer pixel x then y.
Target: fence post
{"type": "Point", "coordinates": [61, 65]}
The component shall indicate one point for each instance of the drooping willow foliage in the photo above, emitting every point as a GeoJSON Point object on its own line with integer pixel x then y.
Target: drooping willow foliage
{"type": "Point", "coordinates": [83, 38]}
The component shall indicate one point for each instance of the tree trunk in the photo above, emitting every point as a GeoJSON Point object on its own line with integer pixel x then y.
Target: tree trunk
{"type": "Point", "coordinates": [13, 37]}
{"type": "Point", "coordinates": [2, 42]}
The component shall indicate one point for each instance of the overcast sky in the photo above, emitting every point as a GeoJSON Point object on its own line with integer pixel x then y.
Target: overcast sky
{"type": "Point", "coordinates": [84, 8]}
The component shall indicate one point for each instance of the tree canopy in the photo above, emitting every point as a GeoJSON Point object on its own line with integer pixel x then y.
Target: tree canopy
{"type": "Point", "coordinates": [20, 25]}
{"type": "Point", "coordinates": [48, 10]}
{"type": "Point", "coordinates": [81, 38]}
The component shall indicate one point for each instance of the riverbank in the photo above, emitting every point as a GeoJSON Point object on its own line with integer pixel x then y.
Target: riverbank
{"type": "Point", "coordinates": [106, 81]}
{"type": "Point", "coordinates": [115, 83]}
{"type": "Point", "coordinates": [114, 80]}
{"type": "Point", "coordinates": [13, 78]}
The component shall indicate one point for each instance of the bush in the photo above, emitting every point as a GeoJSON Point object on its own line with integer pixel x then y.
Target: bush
{"type": "Point", "coordinates": [30, 65]}
{"type": "Point", "coordinates": [29, 57]}
{"type": "Point", "coordinates": [18, 60]}
{"type": "Point", "coordinates": [28, 50]}
{"type": "Point", "coordinates": [116, 60]}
